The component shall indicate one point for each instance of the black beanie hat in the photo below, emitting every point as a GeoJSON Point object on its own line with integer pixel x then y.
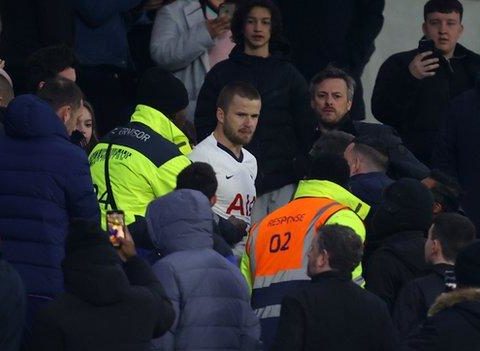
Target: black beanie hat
{"type": "Point", "coordinates": [407, 205]}
{"type": "Point", "coordinates": [467, 265]}
{"type": "Point", "coordinates": [87, 241]}
{"type": "Point", "coordinates": [161, 90]}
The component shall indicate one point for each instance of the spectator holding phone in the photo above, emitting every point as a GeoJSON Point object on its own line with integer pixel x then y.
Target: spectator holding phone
{"type": "Point", "coordinates": [413, 88]}
{"type": "Point", "coordinates": [117, 302]}
{"type": "Point", "coordinates": [189, 37]}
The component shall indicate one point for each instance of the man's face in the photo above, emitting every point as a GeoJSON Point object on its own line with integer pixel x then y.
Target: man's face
{"type": "Point", "coordinates": [257, 29]}
{"type": "Point", "coordinates": [350, 156]}
{"type": "Point", "coordinates": [68, 73]}
{"type": "Point", "coordinates": [444, 29]}
{"type": "Point", "coordinates": [240, 120]}
{"type": "Point", "coordinates": [72, 119]}
{"type": "Point", "coordinates": [429, 246]}
{"type": "Point", "coordinates": [316, 259]}
{"type": "Point", "coordinates": [330, 101]}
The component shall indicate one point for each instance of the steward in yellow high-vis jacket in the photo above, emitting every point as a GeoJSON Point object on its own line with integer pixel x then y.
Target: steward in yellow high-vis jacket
{"type": "Point", "coordinates": [145, 156]}
{"type": "Point", "coordinates": [275, 261]}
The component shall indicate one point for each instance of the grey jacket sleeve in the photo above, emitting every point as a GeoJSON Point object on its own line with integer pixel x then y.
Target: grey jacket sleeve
{"type": "Point", "coordinates": [177, 40]}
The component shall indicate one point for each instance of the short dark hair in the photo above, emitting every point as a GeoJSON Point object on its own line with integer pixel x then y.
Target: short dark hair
{"type": "Point", "coordinates": [331, 167]}
{"type": "Point", "coordinates": [241, 14]}
{"type": "Point", "coordinates": [442, 6]}
{"type": "Point", "coordinates": [375, 157]}
{"type": "Point", "coordinates": [242, 89]}
{"type": "Point", "coordinates": [47, 62]}
{"type": "Point", "coordinates": [198, 176]}
{"type": "Point", "coordinates": [60, 92]}
{"type": "Point", "coordinates": [332, 142]}
{"type": "Point", "coordinates": [343, 245]}
{"type": "Point", "coordinates": [446, 191]}
{"type": "Point", "coordinates": [332, 72]}
{"type": "Point", "coordinates": [454, 232]}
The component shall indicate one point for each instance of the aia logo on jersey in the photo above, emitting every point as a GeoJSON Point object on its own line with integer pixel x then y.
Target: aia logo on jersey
{"type": "Point", "coordinates": [241, 206]}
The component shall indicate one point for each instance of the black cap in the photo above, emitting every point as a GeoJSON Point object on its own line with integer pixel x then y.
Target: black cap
{"type": "Point", "coordinates": [161, 90]}
{"type": "Point", "coordinates": [467, 265]}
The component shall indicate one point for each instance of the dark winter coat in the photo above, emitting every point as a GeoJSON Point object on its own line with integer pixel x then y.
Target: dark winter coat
{"type": "Point", "coordinates": [286, 125]}
{"type": "Point", "coordinates": [399, 260]}
{"type": "Point", "coordinates": [44, 182]}
{"type": "Point", "coordinates": [333, 313]}
{"type": "Point", "coordinates": [415, 107]}
{"type": "Point", "coordinates": [454, 324]}
{"type": "Point", "coordinates": [12, 307]}
{"type": "Point", "coordinates": [456, 150]}
{"type": "Point", "coordinates": [417, 297]}
{"type": "Point", "coordinates": [208, 293]}
{"type": "Point", "coordinates": [105, 308]}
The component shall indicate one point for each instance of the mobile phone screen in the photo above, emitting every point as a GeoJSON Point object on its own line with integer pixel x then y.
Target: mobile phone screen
{"type": "Point", "coordinates": [226, 10]}
{"type": "Point", "coordinates": [425, 45]}
{"type": "Point", "coordinates": [115, 223]}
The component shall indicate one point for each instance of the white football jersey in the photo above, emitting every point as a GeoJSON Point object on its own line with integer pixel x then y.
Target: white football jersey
{"type": "Point", "coordinates": [236, 192]}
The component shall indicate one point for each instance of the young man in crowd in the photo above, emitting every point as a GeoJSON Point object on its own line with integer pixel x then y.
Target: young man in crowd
{"type": "Point", "coordinates": [273, 263]}
{"type": "Point", "coordinates": [285, 131]}
{"type": "Point", "coordinates": [413, 88]}
{"type": "Point", "coordinates": [238, 110]}
{"type": "Point", "coordinates": [454, 319]}
{"type": "Point", "coordinates": [449, 233]}
{"type": "Point", "coordinates": [332, 312]}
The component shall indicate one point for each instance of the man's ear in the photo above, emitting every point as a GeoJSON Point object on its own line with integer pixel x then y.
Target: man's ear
{"type": "Point", "coordinates": [349, 104]}
{"type": "Point", "coordinates": [220, 115]}
{"type": "Point", "coordinates": [213, 200]}
{"type": "Point", "coordinates": [64, 113]}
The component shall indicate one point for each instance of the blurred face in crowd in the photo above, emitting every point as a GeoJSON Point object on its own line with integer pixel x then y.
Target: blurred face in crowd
{"type": "Point", "coordinates": [85, 123]}
{"type": "Point", "coordinates": [257, 30]}
{"type": "Point", "coordinates": [69, 116]}
{"type": "Point", "coordinates": [68, 73]}
{"type": "Point", "coordinates": [317, 260]}
{"type": "Point", "coordinates": [330, 101]}
{"type": "Point", "coordinates": [444, 29]}
{"type": "Point", "coordinates": [431, 247]}
{"type": "Point", "coordinates": [240, 120]}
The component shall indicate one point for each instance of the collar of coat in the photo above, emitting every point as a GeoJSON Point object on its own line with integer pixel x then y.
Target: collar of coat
{"type": "Point", "coordinates": [330, 190]}
{"type": "Point", "coordinates": [453, 298]}
{"type": "Point", "coordinates": [162, 125]}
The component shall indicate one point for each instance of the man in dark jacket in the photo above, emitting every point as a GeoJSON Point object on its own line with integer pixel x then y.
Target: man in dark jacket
{"type": "Point", "coordinates": [333, 313]}
{"type": "Point", "coordinates": [285, 128]}
{"type": "Point", "coordinates": [113, 307]}
{"type": "Point", "coordinates": [331, 98]}
{"type": "Point", "coordinates": [455, 152]}
{"type": "Point", "coordinates": [401, 222]}
{"type": "Point", "coordinates": [209, 295]}
{"type": "Point", "coordinates": [413, 88]}
{"type": "Point", "coordinates": [44, 182]}
{"type": "Point", "coordinates": [454, 319]}
{"type": "Point", "coordinates": [12, 307]}
{"type": "Point", "coordinates": [340, 32]}
{"type": "Point", "coordinates": [449, 233]}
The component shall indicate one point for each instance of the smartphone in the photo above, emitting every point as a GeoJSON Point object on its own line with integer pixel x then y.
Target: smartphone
{"type": "Point", "coordinates": [226, 10]}
{"type": "Point", "coordinates": [115, 223]}
{"type": "Point", "coordinates": [425, 45]}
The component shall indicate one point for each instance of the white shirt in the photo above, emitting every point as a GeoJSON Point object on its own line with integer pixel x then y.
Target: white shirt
{"type": "Point", "coordinates": [236, 192]}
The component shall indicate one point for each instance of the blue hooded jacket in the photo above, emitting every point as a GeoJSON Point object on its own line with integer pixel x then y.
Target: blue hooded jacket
{"type": "Point", "coordinates": [208, 293]}
{"type": "Point", "coordinates": [44, 181]}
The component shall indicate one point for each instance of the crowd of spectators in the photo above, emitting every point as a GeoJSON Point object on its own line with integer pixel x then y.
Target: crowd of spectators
{"type": "Point", "coordinates": [197, 175]}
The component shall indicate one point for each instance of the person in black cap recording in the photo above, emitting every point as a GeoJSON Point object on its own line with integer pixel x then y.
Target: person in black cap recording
{"type": "Point", "coordinates": [112, 300]}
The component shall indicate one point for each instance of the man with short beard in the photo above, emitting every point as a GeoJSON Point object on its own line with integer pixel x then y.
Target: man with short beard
{"type": "Point", "coordinates": [238, 109]}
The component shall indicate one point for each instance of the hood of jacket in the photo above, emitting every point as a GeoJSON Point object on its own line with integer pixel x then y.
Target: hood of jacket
{"type": "Point", "coordinates": [180, 220]}
{"type": "Point", "coordinates": [95, 276]}
{"type": "Point", "coordinates": [465, 301]}
{"type": "Point", "coordinates": [28, 116]}
{"type": "Point", "coordinates": [408, 247]}
{"type": "Point", "coordinates": [330, 190]}
{"type": "Point", "coordinates": [162, 125]}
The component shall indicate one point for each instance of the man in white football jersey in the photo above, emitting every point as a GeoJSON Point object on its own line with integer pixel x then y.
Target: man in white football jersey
{"type": "Point", "coordinates": [238, 109]}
